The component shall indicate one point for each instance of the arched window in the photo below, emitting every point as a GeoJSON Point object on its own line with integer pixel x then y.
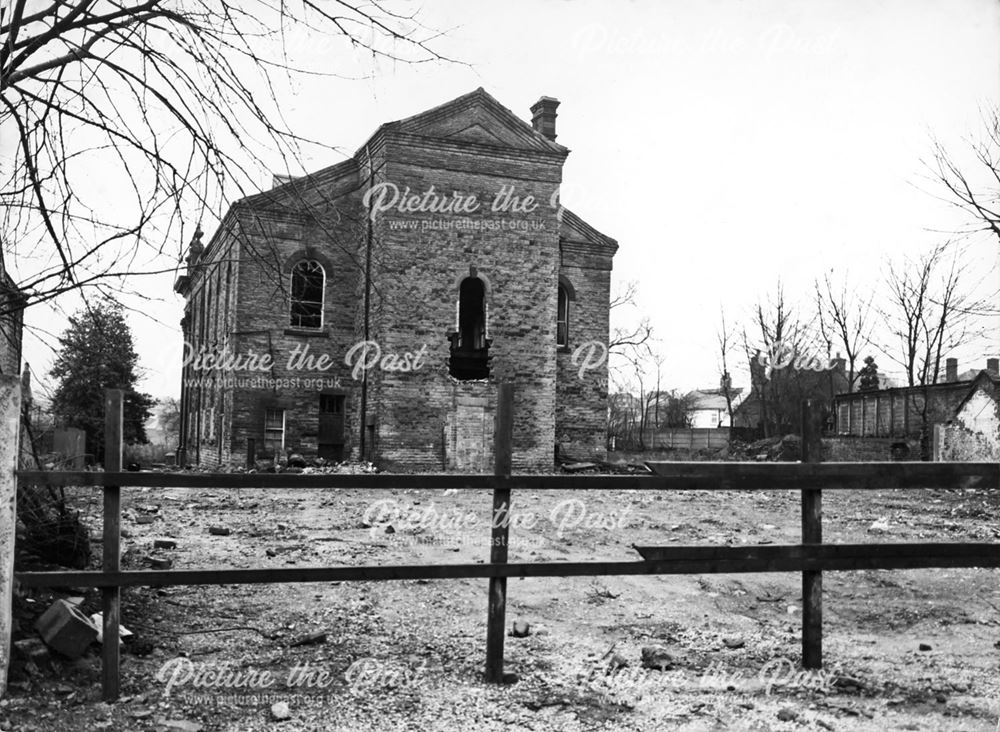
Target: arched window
{"type": "Point", "coordinates": [308, 283]}
{"type": "Point", "coordinates": [470, 344]}
{"type": "Point", "coordinates": [562, 318]}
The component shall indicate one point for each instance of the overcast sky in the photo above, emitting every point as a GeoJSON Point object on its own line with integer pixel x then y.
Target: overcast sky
{"type": "Point", "coordinates": [723, 144]}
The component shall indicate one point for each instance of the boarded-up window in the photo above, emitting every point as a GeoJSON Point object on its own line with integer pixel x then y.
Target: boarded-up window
{"type": "Point", "coordinates": [308, 280]}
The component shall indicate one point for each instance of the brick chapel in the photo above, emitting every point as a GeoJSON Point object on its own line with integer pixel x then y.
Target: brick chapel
{"type": "Point", "coordinates": [369, 310]}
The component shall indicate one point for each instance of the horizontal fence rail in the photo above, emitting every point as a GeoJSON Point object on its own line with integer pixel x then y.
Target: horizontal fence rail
{"type": "Point", "coordinates": [811, 557]}
{"type": "Point", "coordinates": [661, 560]}
{"type": "Point", "coordinates": [680, 476]}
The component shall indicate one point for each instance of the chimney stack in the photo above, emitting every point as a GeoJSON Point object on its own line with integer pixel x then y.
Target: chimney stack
{"type": "Point", "coordinates": [543, 116]}
{"type": "Point", "coordinates": [951, 370]}
{"type": "Point", "coordinates": [993, 366]}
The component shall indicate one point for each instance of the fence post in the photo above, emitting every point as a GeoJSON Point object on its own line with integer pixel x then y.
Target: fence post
{"type": "Point", "coordinates": [503, 434]}
{"type": "Point", "coordinates": [812, 533]}
{"type": "Point", "coordinates": [111, 596]}
{"type": "Point", "coordinates": [10, 431]}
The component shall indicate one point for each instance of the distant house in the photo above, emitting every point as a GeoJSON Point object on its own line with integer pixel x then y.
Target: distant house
{"type": "Point", "coordinates": [11, 324]}
{"type": "Point", "coordinates": [708, 407]}
{"type": "Point", "coordinates": [910, 410]}
{"type": "Point", "coordinates": [979, 411]}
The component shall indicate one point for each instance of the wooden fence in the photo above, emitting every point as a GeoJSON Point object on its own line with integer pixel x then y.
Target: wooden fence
{"type": "Point", "coordinates": [688, 438]}
{"type": "Point", "coordinates": [811, 557]}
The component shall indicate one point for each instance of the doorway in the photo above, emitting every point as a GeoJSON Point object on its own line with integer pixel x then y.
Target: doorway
{"type": "Point", "coordinates": [330, 444]}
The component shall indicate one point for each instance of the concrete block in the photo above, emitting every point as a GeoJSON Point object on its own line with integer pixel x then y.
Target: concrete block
{"type": "Point", "coordinates": [65, 629]}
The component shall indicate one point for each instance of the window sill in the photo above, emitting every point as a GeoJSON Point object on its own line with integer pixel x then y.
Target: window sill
{"type": "Point", "coordinates": [308, 332]}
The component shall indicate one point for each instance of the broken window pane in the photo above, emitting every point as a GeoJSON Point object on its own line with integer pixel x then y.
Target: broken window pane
{"type": "Point", "coordinates": [308, 280]}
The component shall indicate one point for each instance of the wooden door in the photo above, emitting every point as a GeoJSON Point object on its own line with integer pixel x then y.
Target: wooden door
{"type": "Point", "coordinates": [331, 427]}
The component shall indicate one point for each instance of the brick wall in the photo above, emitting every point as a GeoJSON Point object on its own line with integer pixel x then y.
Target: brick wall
{"type": "Point", "coordinates": [417, 273]}
{"type": "Point", "coordinates": [582, 397]}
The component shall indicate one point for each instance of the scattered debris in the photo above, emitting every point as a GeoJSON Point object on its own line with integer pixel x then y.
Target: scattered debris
{"type": "Point", "coordinates": [280, 711]}
{"type": "Point", "coordinates": [617, 661]}
{"type": "Point", "coordinates": [182, 725]}
{"type": "Point", "coordinates": [311, 639]}
{"type": "Point", "coordinates": [164, 544]}
{"type": "Point", "coordinates": [520, 629]}
{"type": "Point", "coordinates": [787, 714]}
{"type": "Point", "coordinates": [734, 641]}
{"type": "Point", "coordinates": [160, 562]}
{"type": "Point", "coordinates": [770, 449]}
{"type": "Point", "coordinates": [219, 530]}
{"type": "Point", "coordinates": [97, 619]}
{"type": "Point", "coordinates": [924, 647]}
{"type": "Point", "coordinates": [145, 519]}
{"type": "Point", "coordinates": [32, 649]}
{"type": "Point", "coordinates": [659, 658]}
{"type": "Point", "coordinates": [879, 526]}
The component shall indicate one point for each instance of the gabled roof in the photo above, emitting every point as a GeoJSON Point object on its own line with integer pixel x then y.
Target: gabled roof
{"type": "Point", "coordinates": [573, 228]}
{"type": "Point", "coordinates": [984, 381]}
{"type": "Point", "coordinates": [474, 117]}
{"type": "Point", "coordinates": [712, 398]}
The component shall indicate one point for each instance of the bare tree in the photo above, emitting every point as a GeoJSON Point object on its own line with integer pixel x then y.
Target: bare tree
{"type": "Point", "coordinates": [726, 338]}
{"type": "Point", "coordinates": [976, 188]}
{"type": "Point", "coordinates": [781, 348]}
{"type": "Point", "coordinates": [845, 322]}
{"type": "Point", "coordinates": [174, 99]}
{"type": "Point", "coordinates": [932, 307]}
{"type": "Point", "coordinates": [633, 340]}
{"type": "Point", "coordinates": [623, 414]}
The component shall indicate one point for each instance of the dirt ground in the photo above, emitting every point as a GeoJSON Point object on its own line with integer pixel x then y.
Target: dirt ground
{"type": "Point", "coordinates": [903, 650]}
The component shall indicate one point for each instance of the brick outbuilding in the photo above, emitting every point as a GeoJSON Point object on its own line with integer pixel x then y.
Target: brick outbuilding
{"type": "Point", "coordinates": [390, 293]}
